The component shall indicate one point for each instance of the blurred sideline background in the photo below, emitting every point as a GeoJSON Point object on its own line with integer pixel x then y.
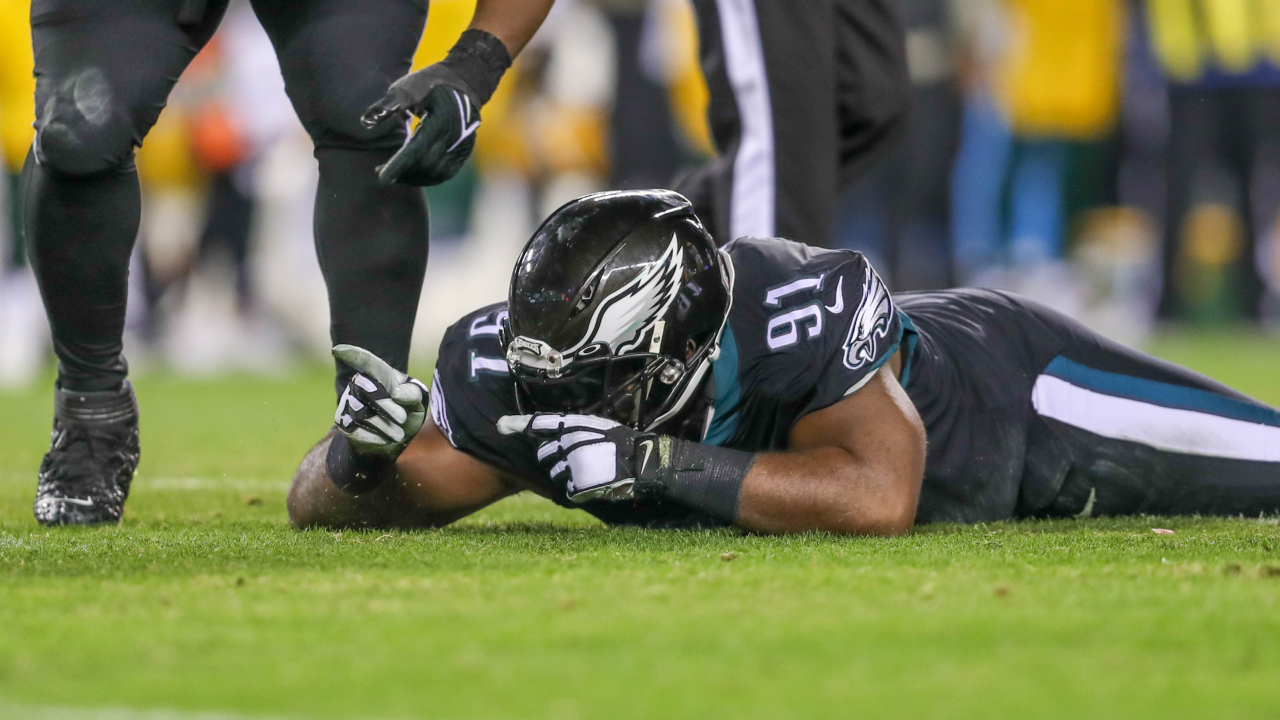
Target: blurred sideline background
{"type": "Point", "coordinates": [1117, 159]}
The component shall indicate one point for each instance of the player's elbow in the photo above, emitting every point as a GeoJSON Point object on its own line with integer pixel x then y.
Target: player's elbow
{"type": "Point", "coordinates": [887, 515]}
{"type": "Point", "coordinates": [881, 498]}
{"type": "Point", "coordinates": [885, 509]}
{"type": "Point", "coordinates": [304, 510]}
{"type": "Point", "coordinates": [313, 500]}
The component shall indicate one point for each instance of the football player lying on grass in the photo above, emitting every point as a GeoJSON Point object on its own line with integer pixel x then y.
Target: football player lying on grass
{"type": "Point", "coordinates": [644, 376]}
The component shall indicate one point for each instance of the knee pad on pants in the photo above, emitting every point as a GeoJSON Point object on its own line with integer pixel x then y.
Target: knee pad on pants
{"type": "Point", "coordinates": [80, 129]}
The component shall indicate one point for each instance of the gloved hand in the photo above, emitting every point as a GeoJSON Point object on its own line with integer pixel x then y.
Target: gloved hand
{"type": "Point", "coordinates": [382, 408]}
{"type": "Point", "coordinates": [446, 97]}
{"type": "Point", "coordinates": [591, 457]}
{"type": "Point", "coordinates": [443, 140]}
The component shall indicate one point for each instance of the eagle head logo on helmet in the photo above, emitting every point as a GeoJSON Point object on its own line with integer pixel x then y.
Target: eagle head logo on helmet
{"type": "Point", "coordinates": [616, 308]}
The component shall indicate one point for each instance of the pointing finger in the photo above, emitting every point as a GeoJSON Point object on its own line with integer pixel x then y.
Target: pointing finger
{"type": "Point", "coordinates": [369, 364]}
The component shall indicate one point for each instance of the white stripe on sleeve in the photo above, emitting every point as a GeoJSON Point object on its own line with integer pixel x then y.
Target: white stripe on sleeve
{"type": "Point", "coordinates": [553, 422]}
{"type": "Point", "coordinates": [439, 410]}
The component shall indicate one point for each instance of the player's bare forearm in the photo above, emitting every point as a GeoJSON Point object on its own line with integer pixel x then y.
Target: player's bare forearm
{"type": "Point", "coordinates": [434, 485]}
{"type": "Point", "coordinates": [512, 21]}
{"type": "Point", "coordinates": [825, 489]}
{"type": "Point", "coordinates": [855, 468]}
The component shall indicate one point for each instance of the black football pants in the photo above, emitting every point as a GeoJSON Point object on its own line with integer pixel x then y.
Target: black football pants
{"type": "Point", "coordinates": [103, 74]}
{"type": "Point", "coordinates": [805, 95]}
{"type": "Point", "coordinates": [1031, 414]}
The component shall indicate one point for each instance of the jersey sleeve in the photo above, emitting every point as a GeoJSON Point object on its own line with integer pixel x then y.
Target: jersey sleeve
{"type": "Point", "coordinates": [472, 388]}
{"type": "Point", "coordinates": [860, 339]}
{"type": "Point", "coordinates": [815, 325]}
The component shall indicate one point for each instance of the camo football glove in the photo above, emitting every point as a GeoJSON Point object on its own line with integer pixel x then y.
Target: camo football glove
{"type": "Point", "coordinates": [381, 409]}
{"type": "Point", "coordinates": [590, 457]}
{"type": "Point", "coordinates": [446, 97]}
{"type": "Point", "coordinates": [595, 458]}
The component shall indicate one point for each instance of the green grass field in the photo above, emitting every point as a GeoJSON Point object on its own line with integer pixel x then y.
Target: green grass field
{"type": "Point", "coordinates": [204, 604]}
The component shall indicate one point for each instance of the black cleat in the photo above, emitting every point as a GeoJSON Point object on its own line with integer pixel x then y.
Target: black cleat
{"type": "Point", "coordinates": [85, 476]}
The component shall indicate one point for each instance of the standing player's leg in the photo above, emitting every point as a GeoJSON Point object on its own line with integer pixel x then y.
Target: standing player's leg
{"type": "Point", "coordinates": [736, 194]}
{"type": "Point", "coordinates": [872, 83]}
{"type": "Point", "coordinates": [1139, 435]}
{"type": "Point", "coordinates": [802, 94]}
{"type": "Point", "coordinates": [103, 73]}
{"type": "Point", "coordinates": [338, 57]}
{"type": "Point", "coordinates": [769, 66]}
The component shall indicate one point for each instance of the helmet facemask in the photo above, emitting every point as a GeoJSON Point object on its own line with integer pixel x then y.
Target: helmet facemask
{"type": "Point", "coordinates": [639, 389]}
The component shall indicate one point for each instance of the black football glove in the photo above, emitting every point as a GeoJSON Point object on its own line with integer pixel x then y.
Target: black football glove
{"type": "Point", "coordinates": [440, 144]}
{"type": "Point", "coordinates": [446, 97]}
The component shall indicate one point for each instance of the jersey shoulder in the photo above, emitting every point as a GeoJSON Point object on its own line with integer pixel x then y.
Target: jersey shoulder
{"type": "Point", "coordinates": [802, 306]}
{"type": "Point", "coordinates": [471, 354]}
{"type": "Point", "coordinates": [472, 388]}
{"type": "Point", "coordinates": [810, 325]}
{"type": "Point", "coordinates": [761, 262]}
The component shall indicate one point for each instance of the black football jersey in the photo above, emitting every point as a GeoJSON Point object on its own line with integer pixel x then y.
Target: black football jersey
{"type": "Point", "coordinates": [807, 327]}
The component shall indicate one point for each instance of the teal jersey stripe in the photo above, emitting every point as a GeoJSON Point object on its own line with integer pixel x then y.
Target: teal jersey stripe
{"type": "Point", "coordinates": [911, 338]}
{"type": "Point", "coordinates": [1160, 393]}
{"type": "Point", "coordinates": [728, 392]}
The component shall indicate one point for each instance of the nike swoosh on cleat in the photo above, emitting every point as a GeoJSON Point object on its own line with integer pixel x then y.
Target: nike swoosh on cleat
{"type": "Point", "coordinates": [839, 306]}
{"type": "Point", "coordinates": [83, 502]}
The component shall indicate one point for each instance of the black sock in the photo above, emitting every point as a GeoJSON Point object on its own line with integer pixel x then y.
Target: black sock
{"type": "Point", "coordinates": [80, 233]}
{"type": "Point", "coordinates": [372, 244]}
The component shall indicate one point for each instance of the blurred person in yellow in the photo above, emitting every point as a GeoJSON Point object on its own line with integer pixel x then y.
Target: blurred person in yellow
{"type": "Point", "coordinates": [1046, 75]}
{"type": "Point", "coordinates": [103, 73]}
{"type": "Point", "coordinates": [656, 55]}
{"type": "Point", "coordinates": [609, 94]}
{"type": "Point", "coordinates": [1222, 62]}
{"type": "Point", "coordinates": [1060, 75]}
{"type": "Point", "coordinates": [16, 84]}
{"type": "Point", "coordinates": [23, 335]}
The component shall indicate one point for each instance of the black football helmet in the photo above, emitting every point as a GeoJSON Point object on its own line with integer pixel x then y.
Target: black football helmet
{"type": "Point", "coordinates": [617, 305]}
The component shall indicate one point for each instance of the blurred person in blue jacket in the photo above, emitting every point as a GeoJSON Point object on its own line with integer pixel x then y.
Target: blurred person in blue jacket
{"type": "Point", "coordinates": [1042, 75]}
